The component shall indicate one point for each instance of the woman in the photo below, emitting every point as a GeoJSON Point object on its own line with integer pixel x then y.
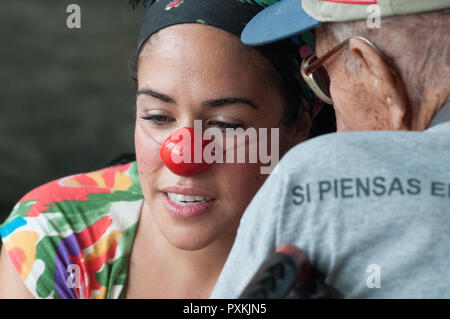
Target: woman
{"type": "Point", "coordinates": [146, 229]}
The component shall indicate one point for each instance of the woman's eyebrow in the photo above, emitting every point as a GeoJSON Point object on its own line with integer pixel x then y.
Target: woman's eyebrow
{"type": "Point", "coordinates": [228, 101]}
{"type": "Point", "coordinates": [156, 95]}
{"type": "Point", "coordinates": [212, 103]}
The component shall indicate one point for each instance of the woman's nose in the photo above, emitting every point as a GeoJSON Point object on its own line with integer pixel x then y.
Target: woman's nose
{"type": "Point", "coordinates": [182, 152]}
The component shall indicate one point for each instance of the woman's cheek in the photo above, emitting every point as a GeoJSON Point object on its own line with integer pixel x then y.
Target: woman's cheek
{"type": "Point", "coordinates": [147, 152]}
{"type": "Point", "coordinates": [240, 182]}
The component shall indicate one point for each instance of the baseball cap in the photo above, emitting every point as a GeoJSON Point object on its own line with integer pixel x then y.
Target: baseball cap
{"type": "Point", "coordinates": [288, 18]}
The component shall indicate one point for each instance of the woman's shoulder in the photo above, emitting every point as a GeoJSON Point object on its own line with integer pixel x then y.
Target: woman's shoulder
{"type": "Point", "coordinates": [85, 222]}
{"type": "Point", "coordinates": [80, 198]}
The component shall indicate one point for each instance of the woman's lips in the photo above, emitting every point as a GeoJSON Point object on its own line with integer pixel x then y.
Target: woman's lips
{"type": "Point", "coordinates": [187, 191]}
{"type": "Point", "coordinates": [186, 203]}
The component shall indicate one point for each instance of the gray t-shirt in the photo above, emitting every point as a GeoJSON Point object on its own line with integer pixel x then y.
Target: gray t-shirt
{"type": "Point", "coordinates": [371, 209]}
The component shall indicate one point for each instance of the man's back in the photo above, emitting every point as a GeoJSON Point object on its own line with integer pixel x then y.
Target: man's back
{"type": "Point", "coordinates": [371, 209]}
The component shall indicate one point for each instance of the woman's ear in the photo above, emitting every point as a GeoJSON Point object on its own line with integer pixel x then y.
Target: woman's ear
{"type": "Point", "coordinates": [383, 81]}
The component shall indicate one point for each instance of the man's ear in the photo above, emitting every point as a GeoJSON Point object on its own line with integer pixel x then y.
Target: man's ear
{"type": "Point", "coordinates": [383, 81]}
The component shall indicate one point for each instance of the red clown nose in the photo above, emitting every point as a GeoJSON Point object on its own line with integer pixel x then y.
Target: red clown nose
{"type": "Point", "coordinates": [177, 152]}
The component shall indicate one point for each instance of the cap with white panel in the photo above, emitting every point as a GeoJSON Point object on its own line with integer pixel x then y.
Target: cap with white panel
{"type": "Point", "coordinates": [288, 18]}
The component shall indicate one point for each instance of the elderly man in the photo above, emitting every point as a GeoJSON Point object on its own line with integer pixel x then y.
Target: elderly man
{"type": "Point", "coordinates": [372, 208]}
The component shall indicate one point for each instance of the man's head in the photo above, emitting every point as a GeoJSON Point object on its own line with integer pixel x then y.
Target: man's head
{"type": "Point", "coordinates": [399, 82]}
{"type": "Point", "coordinates": [402, 87]}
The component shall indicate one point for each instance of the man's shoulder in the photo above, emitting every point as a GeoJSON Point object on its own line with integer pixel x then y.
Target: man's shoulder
{"type": "Point", "coordinates": [331, 146]}
{"type": "Point", "coordinates": [344, 149]}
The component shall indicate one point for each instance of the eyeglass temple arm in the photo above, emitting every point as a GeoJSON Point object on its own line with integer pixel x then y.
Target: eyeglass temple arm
{"type": "Point", "coordinates": [316, 64]}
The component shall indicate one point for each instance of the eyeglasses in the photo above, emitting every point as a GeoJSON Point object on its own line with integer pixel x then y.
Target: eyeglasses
{"type": "Point", "coordinates": [315, 74]}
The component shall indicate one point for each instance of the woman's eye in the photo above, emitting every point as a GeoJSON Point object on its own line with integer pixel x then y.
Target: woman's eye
{"type": "Point", "coordinates": [157, 119]}
{"type": "Point", "coordinates": [224, 125]}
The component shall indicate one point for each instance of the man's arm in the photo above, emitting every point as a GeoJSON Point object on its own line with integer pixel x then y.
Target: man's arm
{"type": "Point", "coordinates": [11, 285]}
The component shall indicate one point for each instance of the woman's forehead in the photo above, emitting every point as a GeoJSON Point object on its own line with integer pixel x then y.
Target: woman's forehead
{"type": "Point", "coordinates": [195, 35]}
{"type": "Point", "coordinates": [189, 48]}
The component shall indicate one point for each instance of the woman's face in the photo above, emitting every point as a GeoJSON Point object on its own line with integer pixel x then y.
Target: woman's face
{"type": "Point", "coordinates": [185, 66]}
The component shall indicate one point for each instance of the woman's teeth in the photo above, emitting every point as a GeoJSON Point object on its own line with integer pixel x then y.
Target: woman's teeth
{"type": "Point", "coordinates": [186, 200]}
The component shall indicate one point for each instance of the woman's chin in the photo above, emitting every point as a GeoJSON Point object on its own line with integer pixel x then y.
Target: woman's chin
{"type": "Point", "coordinates": [189, 240]}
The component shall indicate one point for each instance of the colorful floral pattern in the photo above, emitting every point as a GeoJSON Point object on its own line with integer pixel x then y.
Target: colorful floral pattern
{"type": "Point", "coordinates": [87, 220]}
{"type": "Point", "coordinates": [174, 4]}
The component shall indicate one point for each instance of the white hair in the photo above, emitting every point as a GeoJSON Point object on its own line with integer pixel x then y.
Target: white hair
{"type": "Point", "coordinates": [418, 44]}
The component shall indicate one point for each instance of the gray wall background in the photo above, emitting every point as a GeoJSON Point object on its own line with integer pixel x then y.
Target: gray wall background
{"type": "Point", "coordinates": [66, 97]}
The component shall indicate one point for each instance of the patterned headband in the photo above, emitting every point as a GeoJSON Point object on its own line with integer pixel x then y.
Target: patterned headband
{"type": "Point", "coordinates": [232, 16]}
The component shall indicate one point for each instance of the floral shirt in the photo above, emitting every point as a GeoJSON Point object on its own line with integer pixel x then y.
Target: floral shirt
{"type": "Point", "coordinates": [72, 237]}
